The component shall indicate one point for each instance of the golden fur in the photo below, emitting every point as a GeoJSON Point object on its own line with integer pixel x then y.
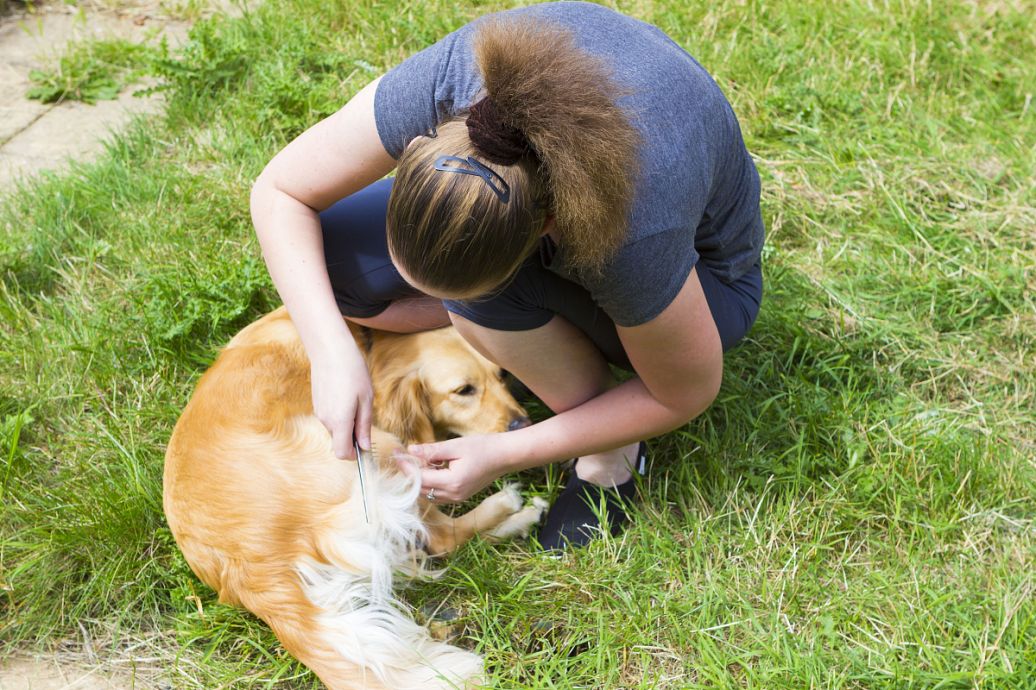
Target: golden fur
{"type": "Point", "coordinates": [269, 518]}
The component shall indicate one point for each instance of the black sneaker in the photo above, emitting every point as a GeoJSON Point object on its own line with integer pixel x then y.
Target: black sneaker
{"type": "Point", "coordinates": [572, 520]}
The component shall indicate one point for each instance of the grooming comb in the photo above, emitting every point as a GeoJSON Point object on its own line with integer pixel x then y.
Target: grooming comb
{"type": "Point", "coordinates": [362, 458]}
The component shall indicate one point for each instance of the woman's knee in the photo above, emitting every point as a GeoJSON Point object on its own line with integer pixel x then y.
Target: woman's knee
{"type": "Point", "coordinates": [485, 340]}
{"type": "Point", "coordinates": [557, 361]}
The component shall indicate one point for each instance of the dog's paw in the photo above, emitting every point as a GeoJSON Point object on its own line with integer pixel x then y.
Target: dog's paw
{"type": "Point", "coordinates": [520, 523]}
{"type": "Point", "coordinates": [511, 497]}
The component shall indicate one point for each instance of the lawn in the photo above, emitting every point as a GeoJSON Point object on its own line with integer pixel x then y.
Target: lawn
{"type": "Point", "coordinates": [856, 510]}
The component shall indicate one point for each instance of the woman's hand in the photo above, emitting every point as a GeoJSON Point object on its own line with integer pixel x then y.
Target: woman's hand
{"type": "Point", "coordinates": [342, 399]}
{"type": "Point", "coordinates": [459, 468]}
{"type": "Point", "coordinates": [332, 159]}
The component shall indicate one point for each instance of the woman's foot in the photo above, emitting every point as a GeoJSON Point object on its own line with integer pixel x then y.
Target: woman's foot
{"type": "Point", "coordinates": [573, 519]}
{"type": "Point", "coordinates": [608, 469]}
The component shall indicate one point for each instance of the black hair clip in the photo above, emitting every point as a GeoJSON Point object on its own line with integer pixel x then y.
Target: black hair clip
{"type": "Point", "coordinates": [492, 178]}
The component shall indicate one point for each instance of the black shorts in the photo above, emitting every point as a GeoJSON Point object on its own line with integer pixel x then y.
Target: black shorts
{"type": "Point", "coordinates": [365, 282]}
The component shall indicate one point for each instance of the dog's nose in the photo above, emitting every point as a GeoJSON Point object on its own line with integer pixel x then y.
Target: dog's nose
{"type": "Point", "coordinates": [518, 423]}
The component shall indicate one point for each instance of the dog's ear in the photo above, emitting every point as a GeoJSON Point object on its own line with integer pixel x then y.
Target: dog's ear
{"type": "Point", "coordinates": [402, 408]}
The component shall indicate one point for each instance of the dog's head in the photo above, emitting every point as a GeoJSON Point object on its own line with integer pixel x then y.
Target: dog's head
{"type": "Point", "coordinates": [433, 385]}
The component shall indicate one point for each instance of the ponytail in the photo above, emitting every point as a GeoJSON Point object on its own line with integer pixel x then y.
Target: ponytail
{"type": "Point", "coordinates": [564, 102]}
{"type": "Point", "coordinates": [555, 141]}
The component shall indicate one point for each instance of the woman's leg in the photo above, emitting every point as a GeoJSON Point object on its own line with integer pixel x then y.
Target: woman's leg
{"type": "Point", "coordinates": [553, 337]}
{"type": "Point", "coordinates": [560, 364]}
{"type": "Point", "coordinates": [367, 287]}
{"type": "Point", "coordinates": [550, 333]}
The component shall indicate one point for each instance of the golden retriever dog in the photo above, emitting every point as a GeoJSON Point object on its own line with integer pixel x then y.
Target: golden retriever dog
{"type": "Point", "coordinates": [267, 516]}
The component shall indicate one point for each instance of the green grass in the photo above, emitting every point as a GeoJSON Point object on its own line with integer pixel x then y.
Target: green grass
{"type": "Point", "coordinates": [857, 510]}
{"type": "Point", "coordinates": [92, 71]}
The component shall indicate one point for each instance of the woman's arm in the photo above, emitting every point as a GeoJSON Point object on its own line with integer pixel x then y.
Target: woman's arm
{"type": "Point", "coordinates": [679, 361]}
{"type": "Point", "coordinates": [330, 160]}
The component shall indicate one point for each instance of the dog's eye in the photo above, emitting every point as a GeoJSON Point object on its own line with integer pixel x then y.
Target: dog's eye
{"type": "Point", "coordinates": [465, 390]}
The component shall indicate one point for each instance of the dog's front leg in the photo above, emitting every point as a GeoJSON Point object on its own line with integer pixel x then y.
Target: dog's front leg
{"type": "Point", "coordinates": [500, 516]}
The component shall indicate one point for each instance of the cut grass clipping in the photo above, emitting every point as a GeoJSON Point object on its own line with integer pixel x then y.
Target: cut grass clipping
{"type": "Point", "coordinates": [857, 508]}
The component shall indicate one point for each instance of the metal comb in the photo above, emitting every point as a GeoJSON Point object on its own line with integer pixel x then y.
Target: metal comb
{"type": "Point", "coordinates": [362, 458]}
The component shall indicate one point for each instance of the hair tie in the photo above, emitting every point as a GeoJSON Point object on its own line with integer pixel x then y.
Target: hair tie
{"type": "Point", "coordinates": [496, 141]}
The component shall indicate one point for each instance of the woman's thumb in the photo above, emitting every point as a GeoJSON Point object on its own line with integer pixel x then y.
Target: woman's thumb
{"type": "Point", "coordinates": [431, 451]}
{"type": "Point", "coordinates": [421, 451]}
{"type": "Point", "coordinates": [362, 429]}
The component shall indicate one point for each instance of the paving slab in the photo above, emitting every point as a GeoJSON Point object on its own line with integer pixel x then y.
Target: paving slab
{"type": "Point", "coordinates": [35, 136]}
{"type": "Point", "coordinates": [71, 130]}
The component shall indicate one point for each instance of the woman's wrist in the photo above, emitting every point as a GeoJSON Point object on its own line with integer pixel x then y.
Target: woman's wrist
{"type": "Point", "coordinates": [518, 450]}
{"type": "Point", "coordinates": [332, 346]}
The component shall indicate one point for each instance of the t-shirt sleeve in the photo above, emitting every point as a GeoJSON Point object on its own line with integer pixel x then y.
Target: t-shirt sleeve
{"type": "Point", "coordinates": [644, 277]}
{"type": "Point", "coordinates": [424, 90]}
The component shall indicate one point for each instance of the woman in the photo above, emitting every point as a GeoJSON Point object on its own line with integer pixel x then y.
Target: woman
{"type": "Point", "coordinates": [571, 191]}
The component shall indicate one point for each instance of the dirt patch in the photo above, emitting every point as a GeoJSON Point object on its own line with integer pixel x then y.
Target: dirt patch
{"type": "Point", "coordinates": [50, 674]}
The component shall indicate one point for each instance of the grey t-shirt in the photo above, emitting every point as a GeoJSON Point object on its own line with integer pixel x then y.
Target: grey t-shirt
{"type": "Point", "coordinates": [698, 191]}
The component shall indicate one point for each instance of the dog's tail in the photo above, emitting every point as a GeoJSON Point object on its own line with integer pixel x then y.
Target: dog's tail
{"type": "Point", "coordinates": [336, 613]}
{"type": "Point", "coordinates": [352, 645]}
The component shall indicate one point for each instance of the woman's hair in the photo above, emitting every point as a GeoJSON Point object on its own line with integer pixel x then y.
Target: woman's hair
{"type": "Point", "coordinates": [549, 132]}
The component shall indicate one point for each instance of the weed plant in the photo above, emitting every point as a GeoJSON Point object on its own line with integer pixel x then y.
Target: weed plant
{"type": "Point", "coordinates": [91, 71]}
{"type": "Point", "coordinates": [856, 510]}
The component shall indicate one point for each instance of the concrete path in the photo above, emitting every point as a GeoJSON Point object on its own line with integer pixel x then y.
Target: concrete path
{"type": "Point", "coordinates": [36, 136]}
